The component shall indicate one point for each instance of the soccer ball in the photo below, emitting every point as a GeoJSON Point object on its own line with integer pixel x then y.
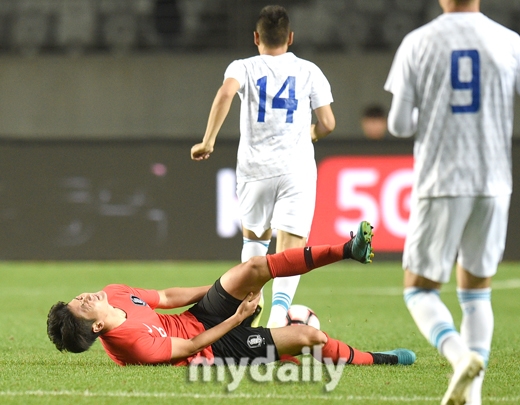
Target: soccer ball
{"type": "Point", "coordinates": [302, 315]}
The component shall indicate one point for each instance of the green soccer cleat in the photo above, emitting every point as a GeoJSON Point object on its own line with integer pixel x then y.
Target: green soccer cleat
{"type": "Point", "coordinates": [360, 246]}
{"type": "Point", "coordinates": [403, 357]}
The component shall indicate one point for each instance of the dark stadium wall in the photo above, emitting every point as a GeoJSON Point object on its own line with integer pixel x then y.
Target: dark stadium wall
{"type": "Point", "coordinates": [146, 200]}
{"type": "Point", "coordinates": [156, 95]}
{"type": "Point", "coordinates": [165, 95]}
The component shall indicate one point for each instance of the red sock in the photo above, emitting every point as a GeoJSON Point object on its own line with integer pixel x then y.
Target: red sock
{"type": "Point", "coordinates": [336, 349]}
{"type": "Point", "coordinates": [292, 262]}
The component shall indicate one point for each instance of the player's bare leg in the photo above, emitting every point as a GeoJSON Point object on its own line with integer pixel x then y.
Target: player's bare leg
{"type": "Point", "coordinates": [255, 246]}
{"type": "Point", "coordinates": [246, 277]}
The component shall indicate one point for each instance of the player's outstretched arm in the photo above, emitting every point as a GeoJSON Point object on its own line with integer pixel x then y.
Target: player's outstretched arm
{"type": "Point", "coordinates": [177, 297]}
{"type": "Point", "coordinates": [217, 115]}
{"type": "Point", "coordinates": [183, 348]}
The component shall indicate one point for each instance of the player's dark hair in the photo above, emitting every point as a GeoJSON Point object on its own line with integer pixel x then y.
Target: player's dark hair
{"type": "Point", "coordinates": [68, 332]}
{"type": "Point", "coordinates": [273, 26]}
{"type": "Point", "coordinates": [374, 111]}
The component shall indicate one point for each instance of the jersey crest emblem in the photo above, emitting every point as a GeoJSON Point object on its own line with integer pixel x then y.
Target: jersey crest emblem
{"type": "Point", "coordinates": [138, 301]}
{"type": "Point", "coordinates": [254, 341]}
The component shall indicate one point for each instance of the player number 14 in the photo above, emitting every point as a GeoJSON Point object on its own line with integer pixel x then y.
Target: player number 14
{"type": "Point", "coordinates": [289, 103]}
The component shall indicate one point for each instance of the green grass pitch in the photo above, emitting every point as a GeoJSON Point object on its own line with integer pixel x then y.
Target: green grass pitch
{"type": "Point", "coordinates": [361, 305]}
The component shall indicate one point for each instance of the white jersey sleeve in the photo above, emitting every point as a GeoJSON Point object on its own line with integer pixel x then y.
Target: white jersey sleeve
{"type": "Point", "coordinates": [278, 95]}
{"type": "Point", "coordinates": [461, 71]}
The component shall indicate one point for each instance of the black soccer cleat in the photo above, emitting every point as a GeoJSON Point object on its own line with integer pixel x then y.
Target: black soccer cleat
{"type": "Point", "coordinates": [404, 357]}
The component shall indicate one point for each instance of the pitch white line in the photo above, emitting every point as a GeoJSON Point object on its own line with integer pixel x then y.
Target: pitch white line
{"type": "Point", "coordinates": [398, 291]}
{"type": "Point", "coordinates": [123, 394]}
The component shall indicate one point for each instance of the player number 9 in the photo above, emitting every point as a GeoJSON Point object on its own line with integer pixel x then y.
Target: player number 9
{"type": "Point", "coordinates": [473, 84]}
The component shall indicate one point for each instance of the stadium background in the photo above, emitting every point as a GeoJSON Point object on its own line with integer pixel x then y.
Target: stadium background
{"type": "Point", "coordinates": [101, 101]}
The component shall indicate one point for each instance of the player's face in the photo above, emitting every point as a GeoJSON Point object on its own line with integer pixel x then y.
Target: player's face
{"type": "Point", "coordinates": [92, 306]}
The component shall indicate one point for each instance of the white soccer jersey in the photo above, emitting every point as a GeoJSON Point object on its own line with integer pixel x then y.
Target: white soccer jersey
{"type": "Point", "coordinates": [278, 94]}
{"type": "Point", "coordinates": [461, 70]}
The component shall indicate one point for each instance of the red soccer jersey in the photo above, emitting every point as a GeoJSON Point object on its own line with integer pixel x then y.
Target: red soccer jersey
{"type": "Point", "coordinates": [145, 336]}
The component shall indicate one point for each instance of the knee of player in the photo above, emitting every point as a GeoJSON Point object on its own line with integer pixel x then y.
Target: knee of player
{"type": "Point", "coordinates": [258, 265]}
{"type": "Point", "coordinates": [312, 336]}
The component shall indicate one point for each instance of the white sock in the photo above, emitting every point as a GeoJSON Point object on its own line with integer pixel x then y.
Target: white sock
{"type": "Point", "coordinates": [284, 289]}
{"type": "Point", "coordinates": [252, 248]}
{"type": "Point", "coordinates": [435, 322]}
{"type": "Point", "coordinates": [477, 330]}
{"type": "Point", "coordinates": [477, 324]}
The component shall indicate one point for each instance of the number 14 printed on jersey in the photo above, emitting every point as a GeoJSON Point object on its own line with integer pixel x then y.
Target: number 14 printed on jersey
{"type": "Point", "coordinates": [290, 103]}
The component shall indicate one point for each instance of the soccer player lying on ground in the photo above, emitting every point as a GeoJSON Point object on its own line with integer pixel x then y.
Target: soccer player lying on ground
{"type": "Point", "coordinates": [218, 325]}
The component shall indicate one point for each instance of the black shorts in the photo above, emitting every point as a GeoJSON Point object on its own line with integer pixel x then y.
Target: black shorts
{"type": "Point", "coordinates": [244, 343]}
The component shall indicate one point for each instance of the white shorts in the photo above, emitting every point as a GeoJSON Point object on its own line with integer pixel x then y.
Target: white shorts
{"type": "Point", "coordinates": [470, 230]}
{"type": "Point", "coordinates": [284, 203]}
